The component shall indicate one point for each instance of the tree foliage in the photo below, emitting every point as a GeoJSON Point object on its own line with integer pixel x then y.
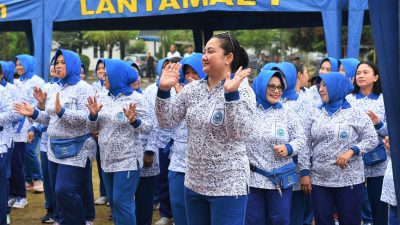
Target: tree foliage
{"type": "Point", "coordinates": [12, 44]}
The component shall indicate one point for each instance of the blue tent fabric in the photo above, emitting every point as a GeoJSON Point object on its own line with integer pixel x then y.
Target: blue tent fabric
{"type": "Point", "coordinates": [355, 22]}
{"type": "Point", "coordinates": [385, 27]}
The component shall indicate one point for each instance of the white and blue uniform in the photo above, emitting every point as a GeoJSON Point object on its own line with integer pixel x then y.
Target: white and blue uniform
{"type": "Point", "coordinates": [337, 127]}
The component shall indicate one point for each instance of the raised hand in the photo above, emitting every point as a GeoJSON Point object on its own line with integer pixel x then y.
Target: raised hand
{"type": "Point", "coordinates": [170, 76]}
{"type": "Point", "coordinates": [40, 96]}
{"type": "Point", "coordinates": [58, 107]}
{"type": "Point", "coordinates": [130, 112]}
{"type": "Point", "coordinates": [375, 118]}
{"type": "Point", "coordinates": [93, 106]}
{"type": "Point", "coordinates": [178, 87]}
{"type": "Point", "coordinates": [386, 142]}
{"type": "Point", "coordinates": [232, 85]}
{"type": "Point", "coordinates": [23, 108]}
{"type": "Point", "coordinates": [281, 150]}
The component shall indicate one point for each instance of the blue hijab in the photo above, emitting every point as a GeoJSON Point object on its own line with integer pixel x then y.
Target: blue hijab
{"type": "Point", "coordinates": [160, 63]}
{"type": "Point", "coordinates": [260, 85]}
{"type": "Point", "coordinates": [269, 66]}
{"type": "Point", "coordinates": [334, 63]}
{"type": "Point", "coordinates": [194, 61]}
{"type": "Point", "coordinates": [95, 71]}
{"type": "Point", "coordinates": [8, 72]}
{"type": "Point", "coordinates": [349, 66]}
{"type": "Point", "coordinates": [338, 87]}
{"type": "Point", "coordinates": [290, 73]}
{"type": "Point", "coordinates": [28, 62]}
{"type": "Point", "coordinates": [73, 67]}
{"type": "Point", "coordinates": [120, 76]}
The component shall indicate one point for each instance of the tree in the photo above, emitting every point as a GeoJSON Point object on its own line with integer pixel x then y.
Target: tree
{"type": "Point", "coordinates": [138, 47]}
{"type": "Point", "coordinates": [13, 43]}
{"type": "Point", "coordinates": [168, 37]}
{"type": "Point", "coordinates": [71, 40]}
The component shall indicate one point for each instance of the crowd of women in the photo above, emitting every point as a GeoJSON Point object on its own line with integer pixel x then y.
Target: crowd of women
{"type": "Point", "coordinates": [219, 151]}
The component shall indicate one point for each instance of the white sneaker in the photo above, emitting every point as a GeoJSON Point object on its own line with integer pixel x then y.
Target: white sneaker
{"type": "Point", "coordinates": [20, 203]}
{"type": "Point", "coordinates": [8, 219]}
{"type": "Point", "coordinates": [165, 221]}
{"type": "Point", "coordinates": [11, 202]}
{"type": "Point", "coordinates": [89, 223]}
{"type": "Point", "coordinates": [101, 201]}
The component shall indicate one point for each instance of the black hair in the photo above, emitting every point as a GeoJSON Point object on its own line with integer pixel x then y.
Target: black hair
{"type": "Point", "coordinates": [377, 87]}
{"type": "Point", "coordinates": [230, 45]}
{"type": "Point", "coordinates": [174, 59]}
{"type": "Point", "coordinates": [1, 69]}
{"type": "Point", "coordinates": [134, 65]}
{"type": "Point", "coordinates": [313, 80]}
{"type": "Point", "coordinates": [299, 67]}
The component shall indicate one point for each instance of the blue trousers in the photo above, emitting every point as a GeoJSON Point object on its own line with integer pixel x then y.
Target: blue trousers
{"type": "Point", "coordinates": [3, 190]}
{"type": "Point", "coordinates": [102, 189]}
{"type": "Point", "coordinates": [308, 211]}
{"type": "Point", "coordinates": [393, 220]}
{"type": "Point", "coordinates": [266, 206]}
{"type": "Point", "coordinates": [177, 197]}
{"type": "Point", "coordinates": [68, 183]}
{"type": "Point", "coordinates": [298, 207]}
{"type": "Point", "coordinates": [215, 210]}
{"type": "Point", "coordinates": [49, 197]}
{"type": "Point", "coordinates": [32, 169]}
{"type": "Point", "coordinates": [163, 184]}
{"type": "Point", "coordinates": [346, 200]}
{"type": "Point", "coordinates": [17, 179]}
{"type": "Point", "coordinates": [144, 200]}
{"type": "Point", "coordinates": [8, 173]}
{"type": "Point", "coordinates": [121, 188]}
{"type": "Point", "coordinates": [379, 209]}
{"type": "Point", "coordinates": [88, 196]}
{"type": "Point", "coordinates": [366, 208]}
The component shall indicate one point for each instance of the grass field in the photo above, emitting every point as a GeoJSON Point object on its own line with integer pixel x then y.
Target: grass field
{"type": "Point", "coordinates": [32, 213]}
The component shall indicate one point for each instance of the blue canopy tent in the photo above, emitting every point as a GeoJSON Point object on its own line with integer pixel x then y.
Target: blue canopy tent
{"type": "Point", "coordinates": [26, 16]}
{"type": "Point", "coordinates": [204, 17]}
{"type": "Point", "coordinates": [385, 27]}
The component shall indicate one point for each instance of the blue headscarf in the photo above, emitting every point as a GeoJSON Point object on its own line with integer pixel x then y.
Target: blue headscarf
{"type": "Point", "coordinates": [334, 63]}
{"type": "Point", "coordinates": [290, 73]}
{"type": "Point", "coordinates": [28, 62]}
{"type": "Point", "coordinates": [194, 61]}
{"type": "Point", "coordinates": [73, 67]}
{"type": "Point", "coordinates": [260, 85]}
{"type": "Point", "coordinates": [160, 63]}
{"type": "Point", "coordinates": [338, 87]}
{"type": "Point", "coordinates": [95, 71]}
{"type": "Point", "coordinates": [8, 72]}
{"type": "Point", "coordinates": [120, 76]}
{"type": "Point", "coordinates": [269, 66]}
{"type": "Point", "coordinates": [349, 66]}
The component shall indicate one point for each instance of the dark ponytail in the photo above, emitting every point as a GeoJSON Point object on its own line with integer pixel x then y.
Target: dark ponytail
{"type": "Point", "coordinates": [230, 45]}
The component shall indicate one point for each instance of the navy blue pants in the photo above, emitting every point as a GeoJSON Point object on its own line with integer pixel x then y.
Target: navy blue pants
{"type": "Point", "coordinates": [379, 209]}
{"type": "Point", "coordinates": [308, 211]}
{"type": "Point", "coordinates": [393, 220]}
{"type": "Point", "coordinates": [88, 197]}
{"type": "Point", "coordinates": [102, 189]}
{"type": "Point", "coordinates": [144, 200]}
{"type": "Point", "coordinates": [266, 206]}
{"type": "Point", "coordinates": [366, 214]}
{"type": "Point", "coordinates": [215, 210]}
{"type": "Point", "coordinates": [68, 183]}
{"type": "Point", "coordinates": [3, 190]}
{"type": "Point", "coordinates": [17, 179]}
{"type": "Point", "coordinates": [8, 173]}
{"type": "Point", "coordinates": [177, 196]}
{"type": "Point", "coordinates": [163, 184]}
{"type": "Point", "coordinates": [298, 207]}
{"type": "Point", "coordinates": [48, 192]}
{"type": "Point", "coordinates": [32, 169]}
{"type": "Point", "coordinates": [346, 200]}
{"type": "Point", "coordinates": [121, 188]}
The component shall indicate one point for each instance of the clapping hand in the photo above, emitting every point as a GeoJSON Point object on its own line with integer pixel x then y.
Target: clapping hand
{"type": "Point", "coordinates": [232, 85]}
{"type": "Point", "coordinates": [375, 118]}
{"type": "Point", "coordinates": [40, 96]}
{"type": "Point", "coordinates": [24, 109]}
{"type": "Point", "coordinates": [93, 106]}
{"type": "Point", "coordinates": [170, 76]}
{"type": "Point", "coordinates": [130, 112]}
{"type": "Point", "coordinates": [281, 150]}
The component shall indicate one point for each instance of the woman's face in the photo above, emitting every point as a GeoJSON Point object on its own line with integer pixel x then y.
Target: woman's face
{"type": "Point", "coordinates": [106, 83]}
{"type": "Point", "coordinates": [52, 71]}
{"type": "Point", "coordinates": [341, 70]}
{"type": "Point", "coordinates": [365, 77]}
{"type": "Point", "coordinates": [214, 61]}
{"type": "Point", "coordinates": [326, 67]}
{"type": "Point", "coordinates": [136, 85]}
{"type": "Point", "coordinates": [323, 92]}
{"type": "Point", "coordinates": [304, 77]}
{"type": "Point", "coordinates": [20, 68]}
{"type": "Point", "coordinates": [61, 68]}
{"type": "Point", "coordinates": [82, 74]}
{"type": "Point", "coordinates": [191, 74]}
{"type": "Point", "coordinates": [100, 71]}
{"type": "Point", "coordinates": [274, 90]}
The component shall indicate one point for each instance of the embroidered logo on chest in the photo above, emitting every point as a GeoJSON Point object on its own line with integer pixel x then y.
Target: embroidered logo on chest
{"type": "Point", "coordinates": [120, 117]}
